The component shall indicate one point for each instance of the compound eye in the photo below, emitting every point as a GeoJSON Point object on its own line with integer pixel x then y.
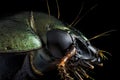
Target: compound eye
{"type": "Point", "coordinates": [58, 41]}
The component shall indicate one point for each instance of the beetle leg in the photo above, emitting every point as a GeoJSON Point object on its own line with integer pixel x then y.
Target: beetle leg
{"type": "Point", "coordinates": [82, 71]}
{"type": "Point", "coordinates": [62, 64]}
{"type": "Point", "coordinates": [67, 57]}
{"type": "Point", "coordinates": [63, 73]}
{"type": "Point", "coordinates": [79, 76]}
{"type": "Point", "coordinates": [78, 72]}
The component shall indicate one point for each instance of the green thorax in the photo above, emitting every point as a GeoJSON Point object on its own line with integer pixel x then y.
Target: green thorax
{"type": "Point", "coordinates": [44, 23]}
{"type": "Point", "coordinates": [17, 36]}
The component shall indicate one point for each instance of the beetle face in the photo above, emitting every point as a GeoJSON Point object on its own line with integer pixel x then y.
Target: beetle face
{"type": "Point", "coordinates": [85, 51]}
{"type": "Point", "coordinates": [74, 49]}
{"type": "Point", "coordinates": [59, 42]}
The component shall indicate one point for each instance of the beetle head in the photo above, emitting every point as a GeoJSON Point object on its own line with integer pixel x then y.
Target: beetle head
{"type": "Point", "coordinates": [60, 41]}
{"type": "Point", "coordinates": [60, 44]}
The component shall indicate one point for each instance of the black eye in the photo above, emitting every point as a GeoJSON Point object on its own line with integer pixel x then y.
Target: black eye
{"type": "Point", "coordinates": [55, 51]}
{"type": "Point", "coordinates": [58, 41]}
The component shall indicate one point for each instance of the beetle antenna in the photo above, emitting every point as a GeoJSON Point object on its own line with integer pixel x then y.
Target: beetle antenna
{"type": "Point", "coordinates": [102, 34]}
{"type": "Point", "coordinates": [58, 8]}
{"type": "Point", "coordinates": [32, 22]}
{"type": "Point", "coordinates": [84, 14]}
{"type": "Point", "coordinates": [77, 15]}
{"type": "Point", "coordinates": [48, 7]}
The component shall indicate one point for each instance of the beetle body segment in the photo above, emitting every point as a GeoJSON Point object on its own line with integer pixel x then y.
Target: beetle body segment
{"type": "Point", "coordinates": [35, 37]}
{"type": "Point", "coordinates": [17, 36]}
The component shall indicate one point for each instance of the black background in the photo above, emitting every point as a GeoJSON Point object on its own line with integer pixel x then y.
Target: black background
{"type": "Point", "coordinates": [103, 17]}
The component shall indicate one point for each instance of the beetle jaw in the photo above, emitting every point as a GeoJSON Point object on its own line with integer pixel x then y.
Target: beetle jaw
{"type": "Point", "coordinates": [77, 68]}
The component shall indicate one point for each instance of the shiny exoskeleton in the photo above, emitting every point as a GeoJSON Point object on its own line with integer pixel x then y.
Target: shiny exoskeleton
{"type": "Point", "coordinates": [34, 43]}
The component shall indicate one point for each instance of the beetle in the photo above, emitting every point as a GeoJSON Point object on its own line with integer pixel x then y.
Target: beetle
{"type": "Point", "coordinates": [35, 43]}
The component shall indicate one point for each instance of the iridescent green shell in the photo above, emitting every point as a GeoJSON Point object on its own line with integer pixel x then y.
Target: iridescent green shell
{"type": "Point", "coordinates": [16, 34]}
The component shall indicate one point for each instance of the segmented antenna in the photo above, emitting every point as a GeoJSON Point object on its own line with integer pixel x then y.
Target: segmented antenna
{"type": "Point", "coordinates": [102, 34]}
{"type": "Point", "coordinates": [32, 22]}
{"type": "Point", "coordinates": [77, 15]}
{"type": "Point", "coordinates": [58, 9]}
{"type": "Point", "coordinates": [48, 7]}
{"type": "Point", "coordinates": [84, 15]}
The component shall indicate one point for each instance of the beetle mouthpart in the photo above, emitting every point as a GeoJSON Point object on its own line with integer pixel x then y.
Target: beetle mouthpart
{"type": "Point", "coordinates": [62, 64]}
{"type": "Point", "coordinates": [102, 55]}
{"type": "Point", "coordinates": [101, 64]}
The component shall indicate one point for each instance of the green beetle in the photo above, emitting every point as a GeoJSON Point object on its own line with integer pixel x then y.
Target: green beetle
{"type": "Point", "coordinates": [34, 43]}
